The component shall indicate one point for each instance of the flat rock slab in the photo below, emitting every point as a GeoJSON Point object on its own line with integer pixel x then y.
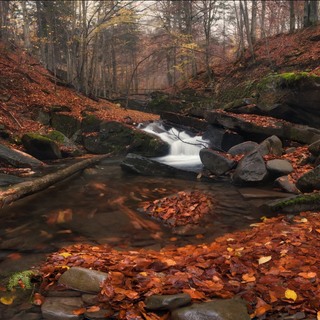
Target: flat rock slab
{"type": "Point", "coordinates": [254, 193]}
{"type": "Point", "coordinates": [82, 279]}
{"type": "Point", "coordinates": [279, 167]}
{"type": "Point", "coordinates": [55, 308]}
{"type": "Point", "coordinates": [229, 309]}
{"type": "Point", "coordinates": [8, 179]}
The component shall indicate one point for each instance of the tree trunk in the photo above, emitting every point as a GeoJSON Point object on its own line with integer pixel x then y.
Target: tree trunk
{"type": "Point", "coordinates": [4, 10]}
{"type": "Point", "coordinates": [292, 16]}
{"type": "Point", "coordinates": [26, 188]}
{"type": "Point", "coordinates": [310, 13]}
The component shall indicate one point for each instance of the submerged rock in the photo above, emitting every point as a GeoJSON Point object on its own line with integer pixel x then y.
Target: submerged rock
{"type": "Point", "coordinates": [55, 308]}
{"type": "Point", "coordinates": [167, 302]}
{"type": "Point", "coordinates": [83, 279]}
{"type": "Point", "coordinates": [215, 162]}
{"type": "Point", "coordinates": [229, 309]}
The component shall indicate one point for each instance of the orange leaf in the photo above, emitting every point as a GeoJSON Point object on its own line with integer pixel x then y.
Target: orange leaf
{"type": "Point", "coordinates": [93, 309]}
{"type": "Point", "coordinates": [307, 275]}
{"type": "Point", "coordinates": [248, 278]}
{"type": "Point", "coordinates": [262, 310]}
{"type": "Point", "coordinates": [77, 312]}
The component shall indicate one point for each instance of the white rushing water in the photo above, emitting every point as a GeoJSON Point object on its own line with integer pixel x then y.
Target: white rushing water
{"type": "Point", "coordinates": [184, 148]}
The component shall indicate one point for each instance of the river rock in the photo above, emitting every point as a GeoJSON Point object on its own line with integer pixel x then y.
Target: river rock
{"type": "Point", "coordinates": [55, 308]}
{"type": "Point", "coordinates": [145, 166]}
{"type": "Point", "coordinates": [167, 302]}
{"type": "Point", "coordinates": [309, 181]}
{"type": "Point", "coordinates": [221, 139]}
{"type": "Point", "coordinates": [215, 162]}
{"type": "Point", "coordinates": [41, 147]}
{"type": "Point", "coordinates": [229, 309]}
{"type": "Point", "coordinates": [250, 169]}
{"type": "Point", "coordinates": [314, 148]}
{"type": "Point", "coordinates": [279, 167]}
{"type": "Point", "coordinates": [271, 145]}
{"type": "Point", "coordinates": [83, 279]}
{"type": "Point", "coordinates": [285, 184]}
{"type": "Point", "coordinates": [243, 148]}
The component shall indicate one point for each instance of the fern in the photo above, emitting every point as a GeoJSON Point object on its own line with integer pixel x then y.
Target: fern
{"type": "Point", "coordinates": [21, 279]}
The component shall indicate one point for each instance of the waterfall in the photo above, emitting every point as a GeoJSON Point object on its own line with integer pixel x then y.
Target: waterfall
{"type": "Point", "coordinates": [184, 147]}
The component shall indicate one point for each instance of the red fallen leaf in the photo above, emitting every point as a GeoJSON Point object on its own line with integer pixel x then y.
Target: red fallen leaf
{"type": "Point", "coordinates": [80, 311]}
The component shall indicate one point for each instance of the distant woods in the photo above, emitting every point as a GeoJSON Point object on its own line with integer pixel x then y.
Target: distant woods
{"type": "Point", "coordinates": [109, 48]}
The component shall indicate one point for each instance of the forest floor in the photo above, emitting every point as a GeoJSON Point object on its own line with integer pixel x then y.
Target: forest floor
{"type": "Point", "coordinates": [273, 266]}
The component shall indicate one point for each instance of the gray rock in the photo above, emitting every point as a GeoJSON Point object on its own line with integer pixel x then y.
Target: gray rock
{"type": "Point", "coordinates": [90, 299]}
{"type": "Point", "coordinates": [145, 166]}
{"type": "Point", "coordinates": [309, 181]}
{"type": "Point", "coordinates": [243, 148]}
{"type": "Point", "coordinates": [65, 123]}
{"type": "Point", "coordinates": [102, 314]}
{"type": "Point", "coordinates": [314, 148]}
{"type": "Point", "coordinates": [83, 279]}
{"type": "Point", "coordinates": [250, 169]}
{"type": "Point", "coordinates": [271, 145]}
{"type": "Point", "coordinates": [279, 167]}
{"type": "Point", "coordinates": [285, 184]}
{"type": "Point", "coordinates": [167, 302]}
{"type": "Point", "coordinates": [215, 162]}
{"type": "Point", "coordinates": [214, 310]}
{"type": "Point", "coordinates": [55, 308]}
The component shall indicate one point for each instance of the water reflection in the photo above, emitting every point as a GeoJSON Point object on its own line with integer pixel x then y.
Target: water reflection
{"type": "Point", "coordinates": [100, 207]}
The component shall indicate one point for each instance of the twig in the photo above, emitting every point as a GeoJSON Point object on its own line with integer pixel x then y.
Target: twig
{"type": "Point", "coordinates": [12, 116]}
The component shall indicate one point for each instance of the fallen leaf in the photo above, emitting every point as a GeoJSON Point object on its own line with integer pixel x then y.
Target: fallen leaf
{"type": "Point", "coordinates": [65, 254]}
{"type": "Point", "coordinates": [248, 278]}
{"type": "Point", "coordinates": [263, 260]}
{"type": "Point", "coordinates": [290, 294]}
{"type": "Point", "coordinates": [93, 309]}
{"type": "Point", "coordinates": [80, 311]}
{"type": "Point", "coordinates": [307, 275]}
{"type": "Point", "coordinates": [7, 300]}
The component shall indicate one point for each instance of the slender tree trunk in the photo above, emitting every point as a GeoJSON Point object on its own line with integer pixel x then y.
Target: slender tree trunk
{"type": "Point", "coordinates": [244, 11]}
{"type": "Point", "coordinates": [292, 16]}
{"type": "Point", "coordinates": [26, 30]}
{"type": "Point", "coordinates": [253, 30]}
{"type": "Point", "coordinates": [4, 10]}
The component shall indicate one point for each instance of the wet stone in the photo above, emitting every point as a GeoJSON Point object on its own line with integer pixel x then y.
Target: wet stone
{"type": "Point", "coordinates": [55, 308]}
{"type": "Point", "coordinates": [63, 293]}
{"type": "Point", "coordinates": [102, 314]}
{"type": "Point", "coordinates": [285, 184]}
{"type": "Point", "coordinates": [279, 166]}
{"type": "Point", "coordinates": [83, 279]}
{"type": "Point", "coordinates": [167, 302]}
{"type": "Point", "coordinates": [243, 148]}
{"type": "Point", "coordinates": [229, 309]}
{"type": "Point", "coordinates": [89, 299]}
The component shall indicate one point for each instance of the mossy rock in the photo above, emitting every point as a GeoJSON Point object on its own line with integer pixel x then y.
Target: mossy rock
{"type": "Point", "coordinates": [118, 138]}
{"type": "Point", "coordinates": [90, 123]}
{"type": "Point", "coordinates": [65, 123]}
{"type": "Point", "coordinates": [41, 147]}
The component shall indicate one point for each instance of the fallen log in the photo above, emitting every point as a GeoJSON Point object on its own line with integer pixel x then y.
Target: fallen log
{"type": "Point", "coordinates": [23, 189]}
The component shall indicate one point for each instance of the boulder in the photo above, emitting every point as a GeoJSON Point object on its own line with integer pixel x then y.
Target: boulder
{"type": "Point", "coordinates": [41, 147]}
{"type": "Point", "coordinates": [67, 147]}
{"type": "Point", "coordinates": [221, 139]}
{"type": "Point", "coordinates": [250, 169]}
{"type": "Point", "coordinates": [65, 123]}
{"type": "Point", "coordinates": [285, 184]}
{"type": "Point", "coordinates": [314, 148]}
{"type": "Point", "coordinates": [167, 302]}
{"type": "Point", "coordinates": [215, 162]}
{"type": "Point", "coordinates": [116, 137]}
{"type": "Point", "coordinates": [55, 308]}
{"type": "Point", "coordinates": [279, 167]}
{"type": "Point", "coordinates": [271, 145]}
{"type": "Point", "coordinates": [229, 309]}
{"type": "Point", "coordinates": [82, 279]}
{"type": "Point", "coordinates": [243, 148]}
{"type": "Point", "coordinates": [90, 123]}
{"type": "Point", "coordinates": [145, 166]}
{"type": "Point", "coordinates": [186, 121]}
{"type": "Point", "coordinates": [292, 96]}
{"type": "Point", "coordinates": [18, 158]}
{"type": "Point", "coordinates": [309, 181]}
